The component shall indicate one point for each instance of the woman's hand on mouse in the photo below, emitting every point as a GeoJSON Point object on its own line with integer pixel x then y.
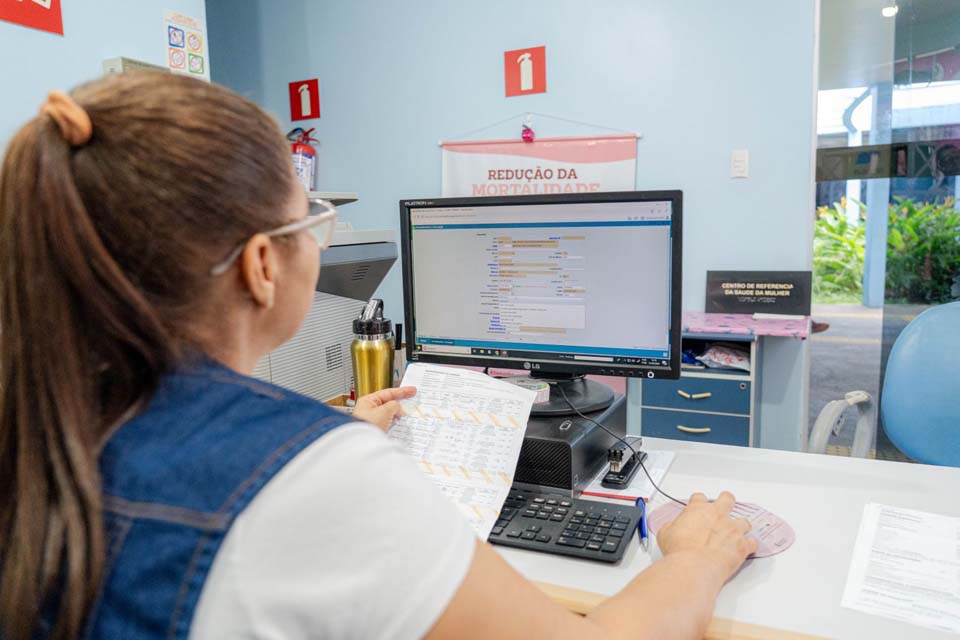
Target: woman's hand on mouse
{"type": "Point", "coordinates": [705, 529]}
{"type": "Point", "coordinates": [381, 407]}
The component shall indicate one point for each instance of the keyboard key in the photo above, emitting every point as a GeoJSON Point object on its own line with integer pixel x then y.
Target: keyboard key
{"type": "Point", "coordinates": [496, 531]}
{"type": "Point", "coordinates": [569, 534]}
{"type": "Point", "coordinates": [579, 514]}
{"type": "Point", "coordinates": [582, 535]}
{"type": "Point", "coordinates": [543, 538]}
{"type": "Point", "coordinates": [551, 501]}
{"type": "Point", "coordinates": [602, 531]}
{"type": "Point", "coordinates": [622, 520]}
{"type": "Point", "coordinates": [566, 503]}
{"type": "Point", "coordinates": [535, 528]}
{"type": "Point", "coordinates": [507, 512]}
{"type": "Point", "coordinates": [529, 535]}
{"type": "Point", "coordinates": [594, 515]}
{"type": "Point", "coordinates": [576, 520]}
{"type": "Point", "coordinates": [606, 520]}
{"type": "Point", "coordinates": [591, 521]}
{"type": "Point", "coordinates": [514, 533]}
{"type": "Point", "coordinates": [596, 538]}
{"type": "Point", "coordinates": [556, 517]}
{"type": "Point", "coordinates": [573, 527]}
{"type": "Point", "coordinates": [571, 542]}
{"type": "Point", "coordinates": [610, 546]}
{"type": "Point", "coordinates": [546, 509]}
{"type": "Point", "coordinates": [616, 533]}
{"type": "Point", "coordinates": [502, 522]}
{"type": "Point", "coordinates": [619, 525]}
{"type": "Point", "coordinates": [542, 516]}
{"type": "Point", "coordinates": [529, 513]}
{"type": "Point", "coordinates": [539, 500]}
{"type": "Point", "coordinates": [562, 511]}
{"type": "Point", "coordinates": [593, 546]}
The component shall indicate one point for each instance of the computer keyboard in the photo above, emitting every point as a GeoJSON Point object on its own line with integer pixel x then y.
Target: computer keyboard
{"type": "Point", "coordinates": [565, 526]}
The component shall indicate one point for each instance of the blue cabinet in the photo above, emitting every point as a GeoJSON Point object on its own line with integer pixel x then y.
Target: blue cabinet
{"type": "Point", "coordinates": [696, 427]}
{"type": "Point", "coordinates": [704, 405]}
{"type": "Point", "coordinates": [714, 394]}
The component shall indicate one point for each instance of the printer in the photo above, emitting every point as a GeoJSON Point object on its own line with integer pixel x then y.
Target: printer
{"type": "Point", "coordinates": [316, 361]}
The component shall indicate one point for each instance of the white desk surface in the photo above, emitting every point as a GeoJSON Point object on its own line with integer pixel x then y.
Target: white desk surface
{"type": "Point", "coordinates": [822, 497]}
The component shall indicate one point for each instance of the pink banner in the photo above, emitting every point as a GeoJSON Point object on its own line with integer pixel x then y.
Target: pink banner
{"type": "Point", "coordinates": [547, 165]}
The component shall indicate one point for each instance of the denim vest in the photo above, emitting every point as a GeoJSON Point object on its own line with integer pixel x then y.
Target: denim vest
{"type": "Point", "coordinates": [174, 480]}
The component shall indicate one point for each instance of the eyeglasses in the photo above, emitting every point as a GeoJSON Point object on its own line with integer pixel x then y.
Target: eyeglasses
{"type": "Point", "coordinates": [322, 225]}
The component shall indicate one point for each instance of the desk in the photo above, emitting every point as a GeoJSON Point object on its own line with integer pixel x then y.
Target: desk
{"type": "Point", "coordinates": [822, 497]}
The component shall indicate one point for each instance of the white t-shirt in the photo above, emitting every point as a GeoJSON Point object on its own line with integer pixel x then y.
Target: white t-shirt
{"type": "Point", "coordinates": [348, 540]}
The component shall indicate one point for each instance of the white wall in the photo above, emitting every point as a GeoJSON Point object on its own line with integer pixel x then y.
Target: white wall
{"type": "Point", "coordinates": [35, 62]}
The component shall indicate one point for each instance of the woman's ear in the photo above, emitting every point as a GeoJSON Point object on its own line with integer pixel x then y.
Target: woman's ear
{"type": "Point", "coordinates": [258, 270]}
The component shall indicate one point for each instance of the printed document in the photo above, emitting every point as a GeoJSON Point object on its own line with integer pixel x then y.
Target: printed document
{"type": "Point", "coordinates": [906, 566]}
{"type": "Point", "coordinates": [465, 430]}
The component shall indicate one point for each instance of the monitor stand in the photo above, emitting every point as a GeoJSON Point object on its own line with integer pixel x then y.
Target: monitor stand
{"type": "Point", "coordinates": [586, 395]}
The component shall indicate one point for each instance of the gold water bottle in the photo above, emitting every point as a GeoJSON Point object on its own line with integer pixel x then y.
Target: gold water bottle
{"type": "Point", "coordinates": [372, 350]}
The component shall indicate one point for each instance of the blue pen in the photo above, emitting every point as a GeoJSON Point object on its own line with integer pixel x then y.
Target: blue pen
{"type": "Point", "coordinates": [642, 525]}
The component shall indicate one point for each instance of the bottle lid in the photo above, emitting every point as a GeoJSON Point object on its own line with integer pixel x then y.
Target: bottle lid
{"type": "Point", "coordinates": [371, 321]}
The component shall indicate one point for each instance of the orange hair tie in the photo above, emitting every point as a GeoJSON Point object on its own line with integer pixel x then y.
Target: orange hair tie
{"type": "Point", "coordinates": [74, 122]}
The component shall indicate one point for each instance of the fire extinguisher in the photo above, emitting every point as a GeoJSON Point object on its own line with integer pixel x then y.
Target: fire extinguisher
{"type": "Point", "coordinates": [304, 156]}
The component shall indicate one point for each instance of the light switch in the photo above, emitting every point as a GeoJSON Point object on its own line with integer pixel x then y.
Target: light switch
{"type": "Point", "coordinates": [740, 163]}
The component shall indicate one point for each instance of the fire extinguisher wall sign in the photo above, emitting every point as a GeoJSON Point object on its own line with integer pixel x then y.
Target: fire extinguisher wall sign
{"type": "Point", "coordinates": [525, 71]}
{"type": "Point", "coordinates": [304, 99]}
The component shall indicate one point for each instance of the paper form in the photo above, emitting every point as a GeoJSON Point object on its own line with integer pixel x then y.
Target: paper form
{"type": "Point", "coordinates": [906, 566]}
{"type": "Point", "coordinates": [465, 430]}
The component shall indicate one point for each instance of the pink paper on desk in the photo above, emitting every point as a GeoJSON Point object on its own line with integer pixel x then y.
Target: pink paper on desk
{"type": "Point", "coordinates": [772, 533]}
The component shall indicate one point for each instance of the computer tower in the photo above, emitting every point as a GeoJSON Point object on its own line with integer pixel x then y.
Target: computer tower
{"type": "Point", "coordinates": [563, 454]}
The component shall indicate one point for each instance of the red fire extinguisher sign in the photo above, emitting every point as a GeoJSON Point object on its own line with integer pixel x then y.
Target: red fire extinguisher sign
{"type": "Point", "coordinates": [525, 71]}
{"type": "Point", "coordinates": [304, 100]}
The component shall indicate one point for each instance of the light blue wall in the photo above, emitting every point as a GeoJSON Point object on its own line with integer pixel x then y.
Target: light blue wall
{"type": "Point", "coordinates": [697, 78]}
{"type": "Point", "coordinates": [34, 62]}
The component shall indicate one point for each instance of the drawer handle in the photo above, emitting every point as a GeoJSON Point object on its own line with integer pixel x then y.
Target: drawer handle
{"type": "Point", "coordinates": [693, 429]}
{"type": "Point", "coordinates": [693, 396]}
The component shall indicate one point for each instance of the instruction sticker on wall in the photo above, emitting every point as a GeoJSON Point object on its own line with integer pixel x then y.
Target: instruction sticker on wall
{"type": "Point", "coordinates": [185, 38]}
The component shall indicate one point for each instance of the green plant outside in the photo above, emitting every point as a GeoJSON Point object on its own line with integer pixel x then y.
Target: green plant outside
{"type": "Point", "coordinates": [923, 253]}
{"type": "Point", "coordinates": [838, 250]}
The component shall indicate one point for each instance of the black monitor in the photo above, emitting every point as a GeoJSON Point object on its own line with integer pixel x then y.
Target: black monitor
{"type": "Point", "coordinates": [560, 285]}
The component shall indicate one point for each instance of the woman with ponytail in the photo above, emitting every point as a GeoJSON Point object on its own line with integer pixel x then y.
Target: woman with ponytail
{"type": "Point", "coordinates": [154, 246]}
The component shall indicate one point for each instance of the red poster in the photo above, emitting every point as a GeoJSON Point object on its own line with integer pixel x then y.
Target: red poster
{"type": "Point", "coordinates": [304, 99]}
{"type": "Point", "coordinates": [39, 14]}
{"type": "Point", "coordinates": [525, 71]}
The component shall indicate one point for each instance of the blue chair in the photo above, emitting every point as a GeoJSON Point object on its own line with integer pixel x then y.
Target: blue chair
{"type": "Point", "coordinates": [921, 389]}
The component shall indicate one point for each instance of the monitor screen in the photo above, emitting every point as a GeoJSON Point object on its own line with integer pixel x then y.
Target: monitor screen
{"type": "Point", "coordinates": [562, 284]}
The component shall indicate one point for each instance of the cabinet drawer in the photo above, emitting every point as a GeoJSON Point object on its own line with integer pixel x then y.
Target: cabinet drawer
{"type": "Point", "coordinates": [699, 394]}
{"type": "Point", "coordinates": [695, 427]}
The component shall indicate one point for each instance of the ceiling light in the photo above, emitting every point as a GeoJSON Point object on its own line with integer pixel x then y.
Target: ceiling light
{"type": "Point", "coordinates": [889, 12]}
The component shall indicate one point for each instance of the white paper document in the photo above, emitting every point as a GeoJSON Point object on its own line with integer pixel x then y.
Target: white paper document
{"type": "Point", "coordinates": [465, 430]}
{"type": "Point", "coordinates": [657, 464]}
{"type": "Point", "coordinates": [906, 566]}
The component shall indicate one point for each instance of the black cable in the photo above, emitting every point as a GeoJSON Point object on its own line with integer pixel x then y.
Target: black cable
{"type": "Point", "coordinates": [559, 386]}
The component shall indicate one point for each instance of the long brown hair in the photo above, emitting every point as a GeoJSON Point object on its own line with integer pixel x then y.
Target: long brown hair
{"type": "Point", "coordinates": [105, 254]}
